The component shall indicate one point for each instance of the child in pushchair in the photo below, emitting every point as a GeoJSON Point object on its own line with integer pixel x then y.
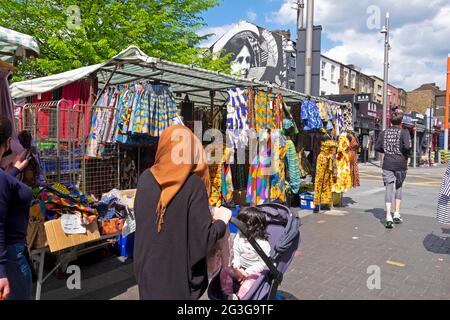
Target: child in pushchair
{"type": "Point", "coordinates": [263, 249]}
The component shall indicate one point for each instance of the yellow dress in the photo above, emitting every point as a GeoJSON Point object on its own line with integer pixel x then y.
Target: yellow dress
{"type": "Point", "coordinates": [344, 179]}
{"type": "Point", "coordinates": [324, 173]}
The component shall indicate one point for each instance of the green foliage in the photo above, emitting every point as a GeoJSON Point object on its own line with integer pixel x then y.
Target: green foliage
{"type": "Point", "coordinates": [161, 28]}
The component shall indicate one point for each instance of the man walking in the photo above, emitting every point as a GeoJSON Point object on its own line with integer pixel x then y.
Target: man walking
{"type": "Point", "coordinates": [395, 143]}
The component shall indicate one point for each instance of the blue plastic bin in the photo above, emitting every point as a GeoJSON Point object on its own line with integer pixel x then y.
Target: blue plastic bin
{"type": "Point", "coordinates": [232, 227]}
{"type": "Point", "coordinates": [125, 245]}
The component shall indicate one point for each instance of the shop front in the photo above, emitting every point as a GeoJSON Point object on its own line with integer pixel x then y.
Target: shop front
{"type": "Point", "coordinates": [368, 125]}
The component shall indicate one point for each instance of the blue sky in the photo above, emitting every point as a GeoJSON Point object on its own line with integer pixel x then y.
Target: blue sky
{"type": "Point", "coordinates": [419, 34]}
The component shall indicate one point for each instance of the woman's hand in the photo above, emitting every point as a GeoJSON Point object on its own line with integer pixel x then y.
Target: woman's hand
{"type": "Point", "coordinates": [223, 214]}
{"type": "Point", "coordinates": [238, 275]}
{"type": "Point", "coordinates": [20, 163]}
{"type": "Point", "coordinates": [4, 288]}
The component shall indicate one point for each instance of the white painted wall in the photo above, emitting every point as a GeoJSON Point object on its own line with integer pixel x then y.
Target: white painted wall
{"type": "Point", "coordinates": [329, 78]}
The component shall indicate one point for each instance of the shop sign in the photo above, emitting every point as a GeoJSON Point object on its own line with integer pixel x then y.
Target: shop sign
{"type": "Point", "coordinates": [363, 98]}
{"type": "Point", "coordinates": [370, 109]}
{"type": "Point", "coordinates": [407, 119]}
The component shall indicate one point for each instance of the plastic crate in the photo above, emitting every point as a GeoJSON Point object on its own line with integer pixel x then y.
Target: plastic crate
{"type": "Point", "coordinates": [307, 201]}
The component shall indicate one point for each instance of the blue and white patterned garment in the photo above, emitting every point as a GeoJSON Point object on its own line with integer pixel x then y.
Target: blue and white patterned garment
{"type": "Point", "coordinates": [237, 121]}
{"type": "Point", "coordinates": [443, 209]}
{"type": "Point", "coordinates": [310, 116]}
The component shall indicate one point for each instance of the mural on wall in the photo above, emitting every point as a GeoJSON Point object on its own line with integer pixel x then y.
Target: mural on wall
{"type": "Point", "coordinates": [257, 53]}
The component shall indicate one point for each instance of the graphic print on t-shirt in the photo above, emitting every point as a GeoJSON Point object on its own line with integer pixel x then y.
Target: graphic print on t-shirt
{"type": "Point", "coordinates": [392, 141]}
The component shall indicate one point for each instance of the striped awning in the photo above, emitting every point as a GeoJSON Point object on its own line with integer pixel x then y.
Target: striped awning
{"type": "Point", "coordinates": [13, 43]}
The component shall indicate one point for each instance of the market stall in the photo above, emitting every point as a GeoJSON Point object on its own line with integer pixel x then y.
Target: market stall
{"type": "Point", "coordinates": [95, 126]}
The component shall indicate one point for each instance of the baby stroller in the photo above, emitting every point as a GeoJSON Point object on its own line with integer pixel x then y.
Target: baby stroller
{"type": "Point", "coordinates": [284, 238]}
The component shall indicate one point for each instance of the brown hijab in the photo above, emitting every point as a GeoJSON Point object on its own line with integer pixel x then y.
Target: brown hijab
{"type": "Point", "coordinates": [179, 154]}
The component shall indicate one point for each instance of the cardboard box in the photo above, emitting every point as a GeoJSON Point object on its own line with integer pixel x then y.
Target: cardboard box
{"type": "Point", "coordinates": [57, 240]}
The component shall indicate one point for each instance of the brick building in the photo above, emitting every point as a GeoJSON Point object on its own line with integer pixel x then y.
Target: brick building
{"type": "Point", "coordinates": [353, 81]}
{"type": "Point", "coordinates": [402, 98]}
{"type": "Point", "coordinates": [377, 91]}
{"type": "Point", "coordinates": [422, 98]}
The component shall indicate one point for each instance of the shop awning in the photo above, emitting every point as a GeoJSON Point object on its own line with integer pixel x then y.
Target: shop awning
{"type": "Point", "coordinates": [13, 43]}
{"type": "Point", "coordinates": [133, 65]}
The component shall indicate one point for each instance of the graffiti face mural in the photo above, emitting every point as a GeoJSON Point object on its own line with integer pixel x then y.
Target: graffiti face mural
{"type": "Point", "coordinates": [256, 53]}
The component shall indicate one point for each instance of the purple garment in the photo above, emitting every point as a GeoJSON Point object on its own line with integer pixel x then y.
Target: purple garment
{"type": "Point", "coordinates": [6, 108]}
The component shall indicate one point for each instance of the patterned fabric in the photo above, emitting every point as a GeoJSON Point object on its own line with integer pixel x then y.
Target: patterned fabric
{"type": "Point", "coordinates": [261, 110]}
{"type": "Point", "coordinates": [344, 180]}
{"type": "Point", "coordinates": [237, 123]}
{"type": "Point", "coordinates": [293, 167]}
{"type": "Point", "coordinates": [310, 116]}
{"type": "Point", "coordinates": [353, 155]}
{"type": "Point", "coordinates": [304, 166]}
{"type": "Point", "coordinates": [323, 111]}
{"type": "Point", "coordinates": [278, 185]}
{"type": "Point", "coordinates": [215, 174]}
{"type": "Point", "coordinates": [258, 178]}
{"type": "Point", "coordinates": [58, 197]}
{"type": "Point", "coordinates": [251, 108]}
{"type": "Point", "coordinates": [324, 173]}
{"type": "Point", "coordinates": [443, 209]}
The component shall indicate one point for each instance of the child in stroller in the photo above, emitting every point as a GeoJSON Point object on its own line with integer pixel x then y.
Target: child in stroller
{"type": "Point", "coordinates": [247, 265]}
{"type": "Point", "coordinates": [283, 235]}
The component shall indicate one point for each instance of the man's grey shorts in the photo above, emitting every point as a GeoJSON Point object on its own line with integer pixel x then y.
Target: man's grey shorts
{"type": "Point", "coordinates": [394, 176]}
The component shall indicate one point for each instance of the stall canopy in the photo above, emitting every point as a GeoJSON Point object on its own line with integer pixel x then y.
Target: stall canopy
{"type": "Point", "coordinates": [132, 65]}
{"type": "Point", "coordinates": [13, 43]}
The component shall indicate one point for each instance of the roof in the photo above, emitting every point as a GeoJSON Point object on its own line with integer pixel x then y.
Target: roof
{"type": "Point", "coordinates": [133, 65]}
{"type": "Point", "coordinates": [13, 43]}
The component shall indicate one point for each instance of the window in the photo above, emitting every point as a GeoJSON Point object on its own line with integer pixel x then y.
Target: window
{"type": "Point", "coordinates": [346, 79]}
{"type": "Point", "coordinates": [293, 62]}
{"type": "Point", "coordinates": [353, 81]}
{"type": "Point", "coordinates": [380, 90]}
{"type": "Point", "coordinates": [361, 85]}
{"type": "Point", "coordinates": [323, 93]}
{"type": "Point", "coordinates": [333, 69]}
{"type": "Point", "coordinates": [324, 64]}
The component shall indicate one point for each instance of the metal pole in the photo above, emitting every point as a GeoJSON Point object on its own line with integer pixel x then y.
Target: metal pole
{"type": "Point", "coordinates": [447, 102]}
{"type": "Point", "coordinates": [430, 142]}
{"type": "Point", "coordinates": [300, 7]}
{"type": "Point", "coordinates": [415, 146]}
{"type": "Point", "coordinates": [386, 71]}
{"type": "Point", "coordinates": [309, 44]}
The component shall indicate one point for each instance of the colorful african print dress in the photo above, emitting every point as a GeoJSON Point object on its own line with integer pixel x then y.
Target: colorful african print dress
{"type": "Point", "coordinates": [343, 181]}
{"type": "Point", "coordinates": [324, 173]}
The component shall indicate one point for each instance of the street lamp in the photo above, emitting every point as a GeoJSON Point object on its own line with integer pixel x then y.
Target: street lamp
{"type": "Point", "coordinates": [415, 142]}
{"type": "Point", "coordinates": [385, 31]}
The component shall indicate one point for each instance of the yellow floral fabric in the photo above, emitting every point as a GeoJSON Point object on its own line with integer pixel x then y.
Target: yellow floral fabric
{"type": "Point", "coordinates": [324, 173]}
{"type": "Point", "coordinates": [344, 180]}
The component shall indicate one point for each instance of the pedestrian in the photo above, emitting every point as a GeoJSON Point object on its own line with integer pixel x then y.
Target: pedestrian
{"type": "Point", "coordinates": [395, 143]}
{"type": "Point", "coordinates": [247, 265]}
{"type": "Point", "coordinates": [15, 202]}
{"type": "Point", "coordinates": [443, 209]}
{"type": "Point", "coordinates": [174, 227]}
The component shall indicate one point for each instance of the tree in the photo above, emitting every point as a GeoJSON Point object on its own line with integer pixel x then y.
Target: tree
{"type": "Point", "coordinates": [76, 33]}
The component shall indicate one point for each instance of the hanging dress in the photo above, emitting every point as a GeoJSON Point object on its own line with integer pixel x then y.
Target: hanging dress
{"type": "Point", "coordinates": [344, 180]}
{"type": "Point", "coordinates": [324, 173]}
{"type": "Point", "coordinates": [443, 209]}
{"type": "Point", "coordinates": [353, 154]}
{"type": "Point", "coordinates": [293, 167]}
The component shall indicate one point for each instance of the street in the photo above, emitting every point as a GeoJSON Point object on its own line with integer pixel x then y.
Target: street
{"type": "Point", "coordinates": [337, 250]}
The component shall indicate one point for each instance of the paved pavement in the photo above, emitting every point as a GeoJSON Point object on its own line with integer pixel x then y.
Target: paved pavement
{"type": "Point", "coordinates": [338, 249]}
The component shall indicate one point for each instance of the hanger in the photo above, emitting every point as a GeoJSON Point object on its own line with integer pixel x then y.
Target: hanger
{"type": "Point", "coordinates": [8, 66]}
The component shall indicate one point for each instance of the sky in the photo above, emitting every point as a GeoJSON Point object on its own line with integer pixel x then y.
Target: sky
{"type": "Point", "coordinates": [420, 33]}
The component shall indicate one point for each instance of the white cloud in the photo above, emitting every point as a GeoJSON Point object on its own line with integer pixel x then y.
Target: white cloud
{"type": "Point", "coordinates": [419, 36]}
{"type": "Point", "coordinates": [215, 32]}
{"type": "Point", "coordinates": [251, 16]}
